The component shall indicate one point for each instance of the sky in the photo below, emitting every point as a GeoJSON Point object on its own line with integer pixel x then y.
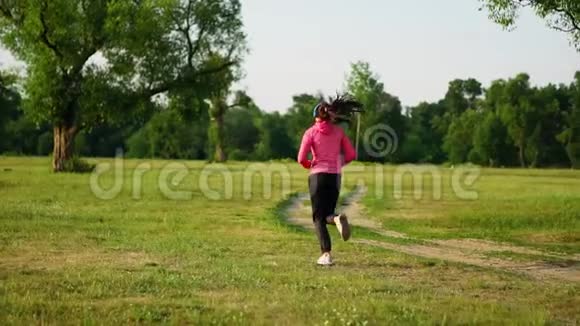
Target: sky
{"type": "Point", "coordinates": [415, 46]}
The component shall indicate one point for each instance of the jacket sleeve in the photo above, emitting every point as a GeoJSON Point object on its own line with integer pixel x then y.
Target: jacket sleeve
{"type": "Point", "coordinates": [347, 149]}
{"type": "Point", "coordinates": [305, 148]}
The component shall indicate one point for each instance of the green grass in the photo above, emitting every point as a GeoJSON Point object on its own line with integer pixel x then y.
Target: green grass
{"type": "Point", "coordinates": [67, 257]}
{"type": "Point", "coordinates": [538, 208]}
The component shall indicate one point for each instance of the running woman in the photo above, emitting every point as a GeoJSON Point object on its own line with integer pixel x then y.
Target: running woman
{"type": "Point", "coordinates": [331, 150]}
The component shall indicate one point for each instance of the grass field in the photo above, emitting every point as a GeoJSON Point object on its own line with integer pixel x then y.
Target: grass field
{"type": "Point", "coordinates": [68, 257]}
{"type": "Point", "coordinates": [539, 208]}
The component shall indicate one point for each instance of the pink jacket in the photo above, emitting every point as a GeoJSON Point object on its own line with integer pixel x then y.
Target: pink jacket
{"type": "Point", "coordinates": [326, 142]}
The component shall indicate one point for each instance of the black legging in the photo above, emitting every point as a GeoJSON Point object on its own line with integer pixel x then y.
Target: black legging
{"type": "Point", "coordinates": [324, 190]}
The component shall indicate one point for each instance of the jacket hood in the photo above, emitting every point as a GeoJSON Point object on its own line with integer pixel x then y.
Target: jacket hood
{"type": "Point", "coordinates": [324, 127]}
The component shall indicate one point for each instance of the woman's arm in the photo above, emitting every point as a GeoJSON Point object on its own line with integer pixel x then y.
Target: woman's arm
{"type": "Point", "coordinates": [347, 149]}
{"type": "Point", "coordinates": [305, 148]}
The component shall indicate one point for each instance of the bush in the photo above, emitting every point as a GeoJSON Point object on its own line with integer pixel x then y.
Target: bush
{"type": "Point", "coordinates": [475, 157]}
{"type": "Point", "coordinates": [45, 143]}
{"type": "Point", "coordinates": [138, 145]}
{"type": "Point", "coordinates": [78, 165]}
{"type": "Point", "coordinates": [238, 155]}
{"type": "Point", "coordinates": [573, 150]}
{"type": "Point", "coordinates": [11, 153]}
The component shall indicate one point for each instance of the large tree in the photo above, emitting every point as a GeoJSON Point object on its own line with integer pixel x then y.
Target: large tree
{"type": "Point", "coordinates": [381, 110]}
{"type": "Point", "coordinates": [562, 15]}
{"type": "Point", "coordinates": [95, 61]}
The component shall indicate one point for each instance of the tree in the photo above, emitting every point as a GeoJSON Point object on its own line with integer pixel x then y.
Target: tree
{"type": "Point", "coordinates": [459, 139]}
{"type": "Point", "coordinates": [178, 130]}
{"type": "Point", "coordinates": [425, 143]}
{"type": "Point", "coordinates": [570, 136]}
{"type": "Point", "coordinates": [216, 131]}
{"type": "Point", "coordinates": [9, 106]}
{"type": "Point", "coordinates": [275, 141]}
{"type": "Point", "coordinates": [461, 95]}
{"type": "Point", "coordinates": [551, 104]}
{"type": "Point", "coordinates": [149, 47]}
{"type": "Point", "coordinates": [528, 113]}
{"type": "Point", "coordinates": [381, 108]}
{"type": "Point", "coordinates": [18, 134]}
{"type": "Point", "coordinates": [218, 108]}
{"type": "Point", "coordinates": [491, 141]}
{"type": "Point", "coordinates": [515, 109]}
{"type": "Point", "coordinates": [242, 134]}
{"type": "Point", "coordinates": [299, 116]}
{"type": "Point", "coordinates": [562, 15]}
{"type": "Point", "coordinates": [167, 136]}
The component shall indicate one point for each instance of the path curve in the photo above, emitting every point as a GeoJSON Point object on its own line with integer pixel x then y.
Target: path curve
{"type": "Point", "coordinates": [467, 251]}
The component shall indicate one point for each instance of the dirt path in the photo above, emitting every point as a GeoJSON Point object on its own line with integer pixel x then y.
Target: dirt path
{"type": "Point", "coordinates": [468, 251]}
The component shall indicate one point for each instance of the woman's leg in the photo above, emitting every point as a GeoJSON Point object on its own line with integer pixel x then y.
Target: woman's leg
{"type": "Point", "coordinates": [333, 191]}
{"type": "Point", "coordinates": [341, 221]}
{"type": "Point", "coordinates": [320, 201]}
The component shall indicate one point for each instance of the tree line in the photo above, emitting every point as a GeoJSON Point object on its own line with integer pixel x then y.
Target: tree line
{"type": "Point", "coordinates": [155, 78]}
{"type": "Point", "coordinates": [509, 123]}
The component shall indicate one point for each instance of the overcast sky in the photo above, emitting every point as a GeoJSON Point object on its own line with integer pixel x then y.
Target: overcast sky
{"type": "Point", "coordinates": [415, 46]}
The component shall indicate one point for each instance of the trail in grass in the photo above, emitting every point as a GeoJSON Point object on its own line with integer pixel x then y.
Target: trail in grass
{"type": "Point", "coordinates": [468, 251]}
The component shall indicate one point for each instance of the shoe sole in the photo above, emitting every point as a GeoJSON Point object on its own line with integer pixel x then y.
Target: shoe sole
{"type": "Point", "coordinates": [343, 227]}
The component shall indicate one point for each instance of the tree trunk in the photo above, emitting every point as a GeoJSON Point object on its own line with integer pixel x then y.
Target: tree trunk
{"type": "Point", "coordinates": [63, 146]}
{"type": "Point", "coordinates": [220, 154]}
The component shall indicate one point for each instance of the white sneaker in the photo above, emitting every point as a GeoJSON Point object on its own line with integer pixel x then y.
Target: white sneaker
{"type": "Point", "coordinates": [325, 260]}
{"type": "Point", "coordinates": [343, 227]}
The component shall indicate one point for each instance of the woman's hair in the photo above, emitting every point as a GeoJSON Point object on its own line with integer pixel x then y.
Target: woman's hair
{"type": "Point", "coordinates": [339, 109]}
{"type": "Point", "coordinates": [343, 107]}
